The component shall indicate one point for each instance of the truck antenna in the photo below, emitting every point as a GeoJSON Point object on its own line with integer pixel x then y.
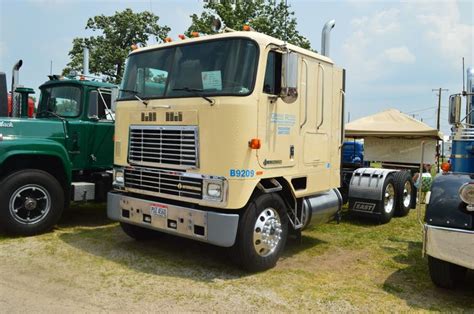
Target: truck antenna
{"type": "Point", "coordinates": [463, 82]}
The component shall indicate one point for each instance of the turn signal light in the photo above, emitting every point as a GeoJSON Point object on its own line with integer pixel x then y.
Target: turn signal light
{"type": "Point", "coordinates": [445, 166]}
{"type": "Point", "coordinates": [195, 34]}
{"type": "Point", "coordinates": [181, 36]}
{"type": "Point", "coordinates": [255, 143]}
{"type": "Point", "coordinates": [168, 40]}
{"type": "Point", "coordinates": [246, 28]}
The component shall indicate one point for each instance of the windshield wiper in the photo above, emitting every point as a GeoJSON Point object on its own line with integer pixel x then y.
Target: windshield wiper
{"type": "Point", "coordinates": [49, 112]}
{"type": "Point", "coordinates": [195, 91]}
{"type": "Point", "coordinates": [135, 94]}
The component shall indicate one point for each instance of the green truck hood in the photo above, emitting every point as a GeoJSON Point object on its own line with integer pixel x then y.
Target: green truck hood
{"type": "Point", "coordinates": [32, 128]}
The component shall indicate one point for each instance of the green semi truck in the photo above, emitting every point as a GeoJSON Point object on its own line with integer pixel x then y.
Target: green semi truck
{"type": "Point", "coordinates": [64, 154]}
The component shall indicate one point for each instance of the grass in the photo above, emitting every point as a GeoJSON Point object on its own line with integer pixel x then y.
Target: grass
{"type": "Point", "coordinates": [357, 265]}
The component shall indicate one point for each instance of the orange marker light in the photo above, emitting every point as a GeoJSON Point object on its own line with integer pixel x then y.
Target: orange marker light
{"type": "Point", "coordinates": [195, 34]}
{"type": "Point", "coordinates": [181, 36]}
{"type": "Point", "coordinates": [445, 166]}
{"type": "Point", "coordinates": [259, 173]}
{"type": "Point", "coordinates": [168, 40]}
{"type": "Point", "coordinates": [255, 143]}
{"type": "Point", "coordinates": [134, 47]}
{"type": "Point", "coordinates": [246, 28]}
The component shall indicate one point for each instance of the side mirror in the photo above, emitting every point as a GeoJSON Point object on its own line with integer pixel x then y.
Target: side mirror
{"type": "Point", "coordinates": [454, 109]}
{"type": "Point", "coordinates": [289, 77]}
{"type": "Point", "coordinates": [93, 112]}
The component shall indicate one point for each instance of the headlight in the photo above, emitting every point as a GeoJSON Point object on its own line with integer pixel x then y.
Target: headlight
{"type": "Point", "coordinates": [466, 193]}
{"type": "Point", "coordinates": [118, 177]}
{"type": "Point", "coordinates": [213, 190]}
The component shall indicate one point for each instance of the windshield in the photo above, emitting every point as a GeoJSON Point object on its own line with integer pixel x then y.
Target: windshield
{"type": "Point", "coordinates": [65, 101]}
{"type": "Point", "coordinates": [213, 68]}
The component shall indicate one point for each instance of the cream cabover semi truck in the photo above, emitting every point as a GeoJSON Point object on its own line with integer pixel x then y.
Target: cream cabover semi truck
{"type": "Point", "coordinates": [232, 139]}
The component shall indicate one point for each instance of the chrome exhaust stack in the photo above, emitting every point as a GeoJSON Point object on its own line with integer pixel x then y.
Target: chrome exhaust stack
{"type": "Point", "coordinates": [326, 38]}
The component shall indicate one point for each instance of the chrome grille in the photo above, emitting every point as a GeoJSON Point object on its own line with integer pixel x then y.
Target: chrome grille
{"type": "Point", "coordinates": [159, 181]}
{"type": "Point", "coordinates": [176, 146]}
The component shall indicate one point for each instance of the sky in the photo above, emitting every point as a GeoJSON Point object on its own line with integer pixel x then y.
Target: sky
{"type": "Point", "coordinates": [394, 52]}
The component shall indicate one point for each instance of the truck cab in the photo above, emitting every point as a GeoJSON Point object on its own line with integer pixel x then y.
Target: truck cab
{"type": "Point", "coordinates": [62, 155]}
{"type": "Point", "coordinates": [449, 219]}
{"type": "Point", "coordinates": [231, 139]}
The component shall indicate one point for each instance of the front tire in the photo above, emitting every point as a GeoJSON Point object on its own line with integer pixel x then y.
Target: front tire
{"type": "Point", "coordinates": [262, 234]}
{"type": "Point", "coordinates": [445, 274]}
{"type": "Point", "coordinates": [31, 202]}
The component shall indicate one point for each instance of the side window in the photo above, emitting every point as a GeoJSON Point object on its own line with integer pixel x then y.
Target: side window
{"type": "Point", "coordinates": [100, 105]}
{"type": "Point", "coordinates": [272, 82]}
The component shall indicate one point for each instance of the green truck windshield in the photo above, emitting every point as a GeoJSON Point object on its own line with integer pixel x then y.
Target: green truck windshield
{"type": "Point", "coordinates": [64, 101]}
{"type": "Point", "coordinates": [212, 68]}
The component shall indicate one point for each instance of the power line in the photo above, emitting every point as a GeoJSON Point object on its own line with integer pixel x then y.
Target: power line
{"type": "Point", "coordinates": [424, 109]}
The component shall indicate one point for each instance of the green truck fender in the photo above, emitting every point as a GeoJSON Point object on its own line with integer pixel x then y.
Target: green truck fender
{"type": "Point", "coordinates": [36, 147]}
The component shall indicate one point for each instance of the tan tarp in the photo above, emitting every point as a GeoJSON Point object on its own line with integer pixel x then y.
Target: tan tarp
{"type": "Point", "coordinates": [390, 123]}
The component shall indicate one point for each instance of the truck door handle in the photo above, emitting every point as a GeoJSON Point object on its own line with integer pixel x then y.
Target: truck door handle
{"type": "Point", "coordinates": [322, 98]}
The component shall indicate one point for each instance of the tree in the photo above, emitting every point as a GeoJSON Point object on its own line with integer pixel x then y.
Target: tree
{"type": "Point", "coordinates": [270, 17]}
{"type": "Point", "coordinates": [109, 50]}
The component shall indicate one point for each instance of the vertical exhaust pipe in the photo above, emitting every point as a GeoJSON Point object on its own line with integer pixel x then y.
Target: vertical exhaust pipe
{"type": "Point", "coordinates": [85, 62]}
{"type": "Point", "coordinates": [15, 79]}
{"type": "Point", "coordinates": [326, 38]}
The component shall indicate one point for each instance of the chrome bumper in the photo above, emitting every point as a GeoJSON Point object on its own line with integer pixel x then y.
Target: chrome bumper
{"type": "Point", "coordinates": [451, 245]}
{"type": "Point", "coordinates": [205, 226]}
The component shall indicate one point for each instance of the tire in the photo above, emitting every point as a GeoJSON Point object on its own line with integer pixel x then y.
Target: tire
{"type": "Point", "coordinates": [264, 218]}
{"type": "Point", "coordinates": [138, 233]}
{"type": "Point", "coordinates": [445, 274]}
{"type": "Point", "coordinates": [406, 193]}
{"type": "Point", "coordinates": [389, 199]}
{"type": "Point", "coordinates": [31, 202]}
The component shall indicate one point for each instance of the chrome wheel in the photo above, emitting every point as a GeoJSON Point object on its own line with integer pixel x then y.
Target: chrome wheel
{"type": "Point", "coordinates": [267, 232]}
{"type": "Point", "coordinates": [30, 204]}
{"type": "Point", "coordinates": [407, 194]}
{"type": "Point", "coordinates": [389, 200]}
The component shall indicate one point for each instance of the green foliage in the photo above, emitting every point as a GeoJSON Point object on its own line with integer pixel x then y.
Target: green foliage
{"type": "Point", "coordinates": [270, 17]}
{"type": "Point", "coordinates": [110, 48]}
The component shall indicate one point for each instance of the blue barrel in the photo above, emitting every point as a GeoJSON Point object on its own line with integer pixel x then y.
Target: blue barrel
{"type": "Point", "coordinates": [462, 156]}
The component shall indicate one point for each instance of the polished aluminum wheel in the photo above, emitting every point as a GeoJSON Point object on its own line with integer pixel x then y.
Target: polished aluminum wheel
{"type": "Point", "coordinates": [407, 194]}
{"type": "Point", "coordinates": [30, 204]}
{"type": "Point", "coordinates": [267, 232]}
{"type": "Point", "coordinates": [389, 200]}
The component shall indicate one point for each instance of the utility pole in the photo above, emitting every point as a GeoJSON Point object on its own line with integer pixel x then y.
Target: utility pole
{"type": "Point", "coordinates": [439, 90]}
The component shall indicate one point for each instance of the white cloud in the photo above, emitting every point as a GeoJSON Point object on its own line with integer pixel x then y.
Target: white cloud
{"type": "Point", "coordinates": [445, 30]}
{"type": "Point", "coordinates": [363, 49]}
{"type": "Point", "coordinates": [399, 55]}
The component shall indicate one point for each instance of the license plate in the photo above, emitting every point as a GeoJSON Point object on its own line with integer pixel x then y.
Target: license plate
{"type": "Point", "coordinates": [158, 210]}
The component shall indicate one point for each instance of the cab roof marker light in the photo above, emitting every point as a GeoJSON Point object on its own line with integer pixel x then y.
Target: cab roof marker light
{"type": "Point", "coordinates": [182, 37]}
{"type": "Point", "coordinates": [168, 39]}
{"type": "Point", "coordinates": [195, 34]}
{"type": "Point", "coordinates": [134, 47]}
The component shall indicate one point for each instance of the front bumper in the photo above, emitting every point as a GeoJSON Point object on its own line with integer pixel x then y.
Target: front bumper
{"type": "Point", "coordinates": [205, 226]}
{"type": "Point", "coordinates": [455, 246]}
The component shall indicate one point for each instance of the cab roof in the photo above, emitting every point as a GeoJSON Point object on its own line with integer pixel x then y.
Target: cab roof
{"type": "Point", "coordinates": [67, 81]}
{"type": "Point", "coordinates": [261, 39]}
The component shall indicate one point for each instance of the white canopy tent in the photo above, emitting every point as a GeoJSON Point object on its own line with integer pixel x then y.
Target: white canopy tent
{"type": "Point", "coordinates": [394, 137]}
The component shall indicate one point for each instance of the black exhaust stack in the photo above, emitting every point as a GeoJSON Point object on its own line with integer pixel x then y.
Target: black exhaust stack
{"type": "Point", "coordinates": [3, 95]}
{"type": "Point", "coordinates": [15, 78]}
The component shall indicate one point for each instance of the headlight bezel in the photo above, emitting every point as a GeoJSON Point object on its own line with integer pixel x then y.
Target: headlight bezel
{"type": "Point", "coordinates": [466, 194]}
{"type": "Point", "coordinates": [215, 184]}
{"type": "Point", "coordinates": [118, 180]}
